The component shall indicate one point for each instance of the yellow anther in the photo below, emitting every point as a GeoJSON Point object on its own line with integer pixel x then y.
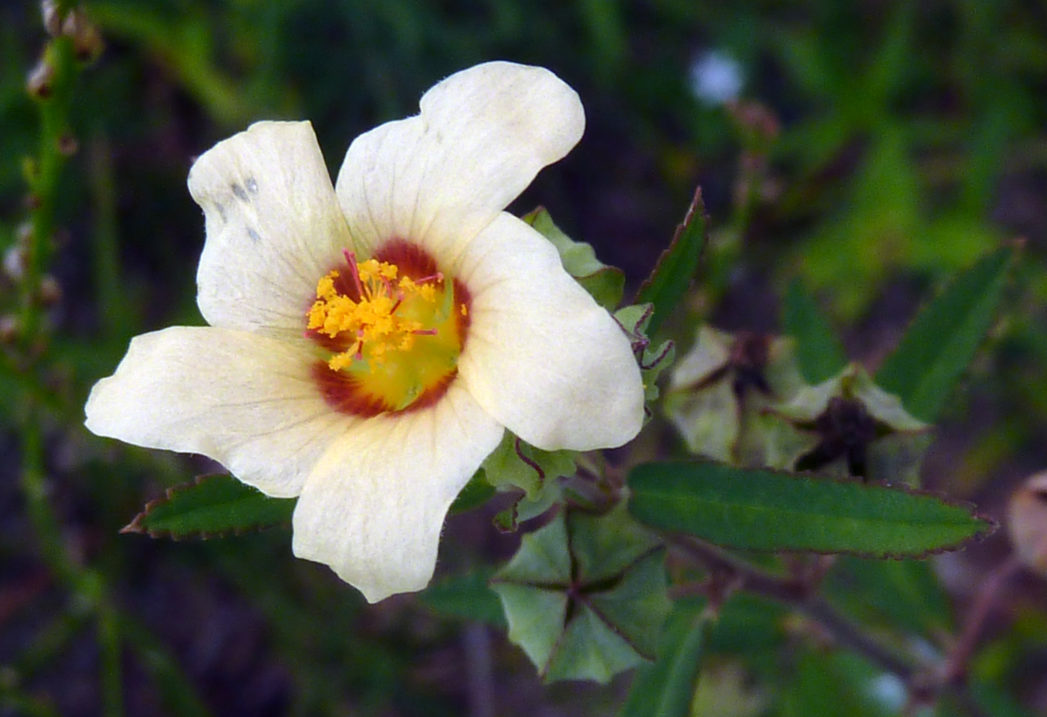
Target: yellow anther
{"type": "Point", "coordinates": [381, 320]}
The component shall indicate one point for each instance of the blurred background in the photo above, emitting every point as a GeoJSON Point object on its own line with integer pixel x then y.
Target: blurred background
{"type": "Point", "coordinates": [869, 149]}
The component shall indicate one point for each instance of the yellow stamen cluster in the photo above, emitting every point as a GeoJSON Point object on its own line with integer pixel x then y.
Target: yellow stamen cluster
{"type": "Point", "coordinates": [376, 322]}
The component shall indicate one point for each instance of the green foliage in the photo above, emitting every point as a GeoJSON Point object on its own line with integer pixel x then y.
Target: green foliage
{"type": "Point", "coordinates": [666, 688]}
{"type": "Point", "coordinates": [818, 350]}
{"type": "Point", "coordinates": [605, 283]}
{"type": "Point", "coordinates": [516, 464]}
{"type": "Point", "coordinates": [896, 594]}
{"type": "Point", "coordinates": [835, 683]}
{"type": "Point", "coordinates": [211, 506]}
{"type": "Point", "coordinates": [467, 597]}
{"type": "Point", "coordinates": [909, 141]}
{"type": "Point", "coordinates": [475, 493]}
{"type": "Point", "coordinates": [765, 510]}
{"type": "Point", "coordinates": [668, 281]}
{"type": "Point", "coordinates": [585, 596]}
{"type": "Point", "coordinates": [635, 320]}
{"type": "Point", "coordinates": [721, 394]}
{"type": "Point", "coordinates": [942, 340]}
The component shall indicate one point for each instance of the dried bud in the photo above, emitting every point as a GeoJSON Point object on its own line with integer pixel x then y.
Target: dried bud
{"type": "Point", "coordinates": [859, 429]}
{"type": "Point", "coordinates": [15, 262]}
{"type": "Point", "coordinates": [1027, 523]}
{"type": "Point", "coordinates": [87, 41]}
{"type": "Point", "coordinates": [52, 17]}
{"type": "Point", "coordinates": [38, 82]}
{"type": "Point", "coordinates": [67, 145]}
{"type": "Point", "coordinates": [719, 392]}
{"type": "Point", "coordinates": [50, 290]}
{"type": "Point", "coordinates": [25, 233]}
{"type": "Point", "coordinates": [9, 329]}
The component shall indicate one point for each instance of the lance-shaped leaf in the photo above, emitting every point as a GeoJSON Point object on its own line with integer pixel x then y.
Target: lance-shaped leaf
{"type": "Point", "coordinates": [819, 352]}
{"type": "Point", "coordinates": [211, 506]}
{"type": "Point", "coordinates": [604, 283]}
{"type": "Point", "coordinates": [666, 688]}
{"type": "Point", "coordinates": [585, 596]}
{"type": "Point", "coordinates": [667, 284]}
{"type": "Point", "coordinates": [769, 510]}
{"type": "Point", "coordinates": [943, 338]}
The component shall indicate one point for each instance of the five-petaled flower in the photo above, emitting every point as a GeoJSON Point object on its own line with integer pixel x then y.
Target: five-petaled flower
{"type": "Point", "coordinates": [369, 343]}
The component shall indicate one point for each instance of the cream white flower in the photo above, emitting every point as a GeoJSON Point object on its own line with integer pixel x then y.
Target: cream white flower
{"type": "Point", "coordinates": [369, 343]}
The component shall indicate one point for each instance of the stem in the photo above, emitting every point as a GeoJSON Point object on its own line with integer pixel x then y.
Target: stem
{"type": "Point", "coordinates": [54, 116]}
{"type": "Point", "coordinates": [799, 595]}
{"type": "Point", "coordinates": [87, 585]}
{"type": "Point", "coordinates": [991, 588]}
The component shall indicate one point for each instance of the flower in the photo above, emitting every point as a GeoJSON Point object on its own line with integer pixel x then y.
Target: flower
{"type": "Point", "coordinates": [370, 343]}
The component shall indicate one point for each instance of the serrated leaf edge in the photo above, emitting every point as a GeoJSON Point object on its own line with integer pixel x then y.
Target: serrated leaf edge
{"type": "Point", "coordinates": [991, 525]}
{"type": "Point", "coordinates": [136, 526]}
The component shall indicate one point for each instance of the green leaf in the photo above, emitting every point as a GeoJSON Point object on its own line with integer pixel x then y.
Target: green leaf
{"type": "Point", "coordinates": [466, 596]}
{"type": "Point", "coordinates": [474, 494]}
{"type": "Point", "coordinates": [666, 688]}
{"type": "Point", "coordinates": [211, 506]}
{"type": "Point", "coordinates": [667, 284]}
{"type": "Point", "coordinates": [944, 337]}
{"type": "Point", "coordinates": [585, 596]}
{"type": "Point", "coordinates": [767, 510]}
{"type": "Point", "coordinates": [837, 683]}
{"type": "Point", "coordinates": [901, 594]}
{"type": "Point", "coordinates": [604, 283]}
{"type": "Point", "coordinates": [818, 350]}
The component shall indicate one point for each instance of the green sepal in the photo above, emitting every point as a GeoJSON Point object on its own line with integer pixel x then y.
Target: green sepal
{"type": "Point", "coordinates": [771, 510]}
{"type": "Point", "coordinates": [719, 391]}
{"type": "Point", "coordinates": [667, 285]}
{"type": "Point", "coordinates": [515, 463]}
{"type": "Point", "coordinates": [211, 506]}
{"type": "Point", "coordinates": [585, 595]}
{"type": "Point", "coordinates": [943, 338]}
{"type": "Point", "coordinates": [635, 321]}
{"type": "Point", "coordinates": [606, 284]}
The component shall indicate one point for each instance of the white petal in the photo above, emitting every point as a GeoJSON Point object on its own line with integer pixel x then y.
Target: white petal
{"type": "Point", "coordinates": [245, 400]}
{"type": "Point", "coordinates": [438, 178]}
{"type": "Point", "coordinates": [541, 356]}
{"type": "Point", "coordinates": [374, 506]}
{"type": "Point", "coordinates": [273, 227]}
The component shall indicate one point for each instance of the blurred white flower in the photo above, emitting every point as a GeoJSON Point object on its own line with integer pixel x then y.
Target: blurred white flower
{"type": "Point", "coordinates": [369, 343]}
{"type": "Point", "coordinates": [716, 77]}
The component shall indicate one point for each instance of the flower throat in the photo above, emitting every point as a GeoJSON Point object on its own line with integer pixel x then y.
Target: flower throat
{"type": "Point", "coordinates": [392, 328]}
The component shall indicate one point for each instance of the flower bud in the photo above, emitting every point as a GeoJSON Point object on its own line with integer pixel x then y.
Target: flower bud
{"type": "Point", "coordinates": [1027, 523]}
{"type": "Point", "coordinates": [9, 329]}
{"type": "Point", "coordinates": [50, 291]}
{"type": "Point", "coordinates": [67, 145]}
{"type": "Point", "coordinates": [87, 41]}
{"type": "Point", "coordinates": [38, 82]}
{"type": "Point", "coordinates": [52, 17]}
{"type": "Point", "coordinates": [15, 261]}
